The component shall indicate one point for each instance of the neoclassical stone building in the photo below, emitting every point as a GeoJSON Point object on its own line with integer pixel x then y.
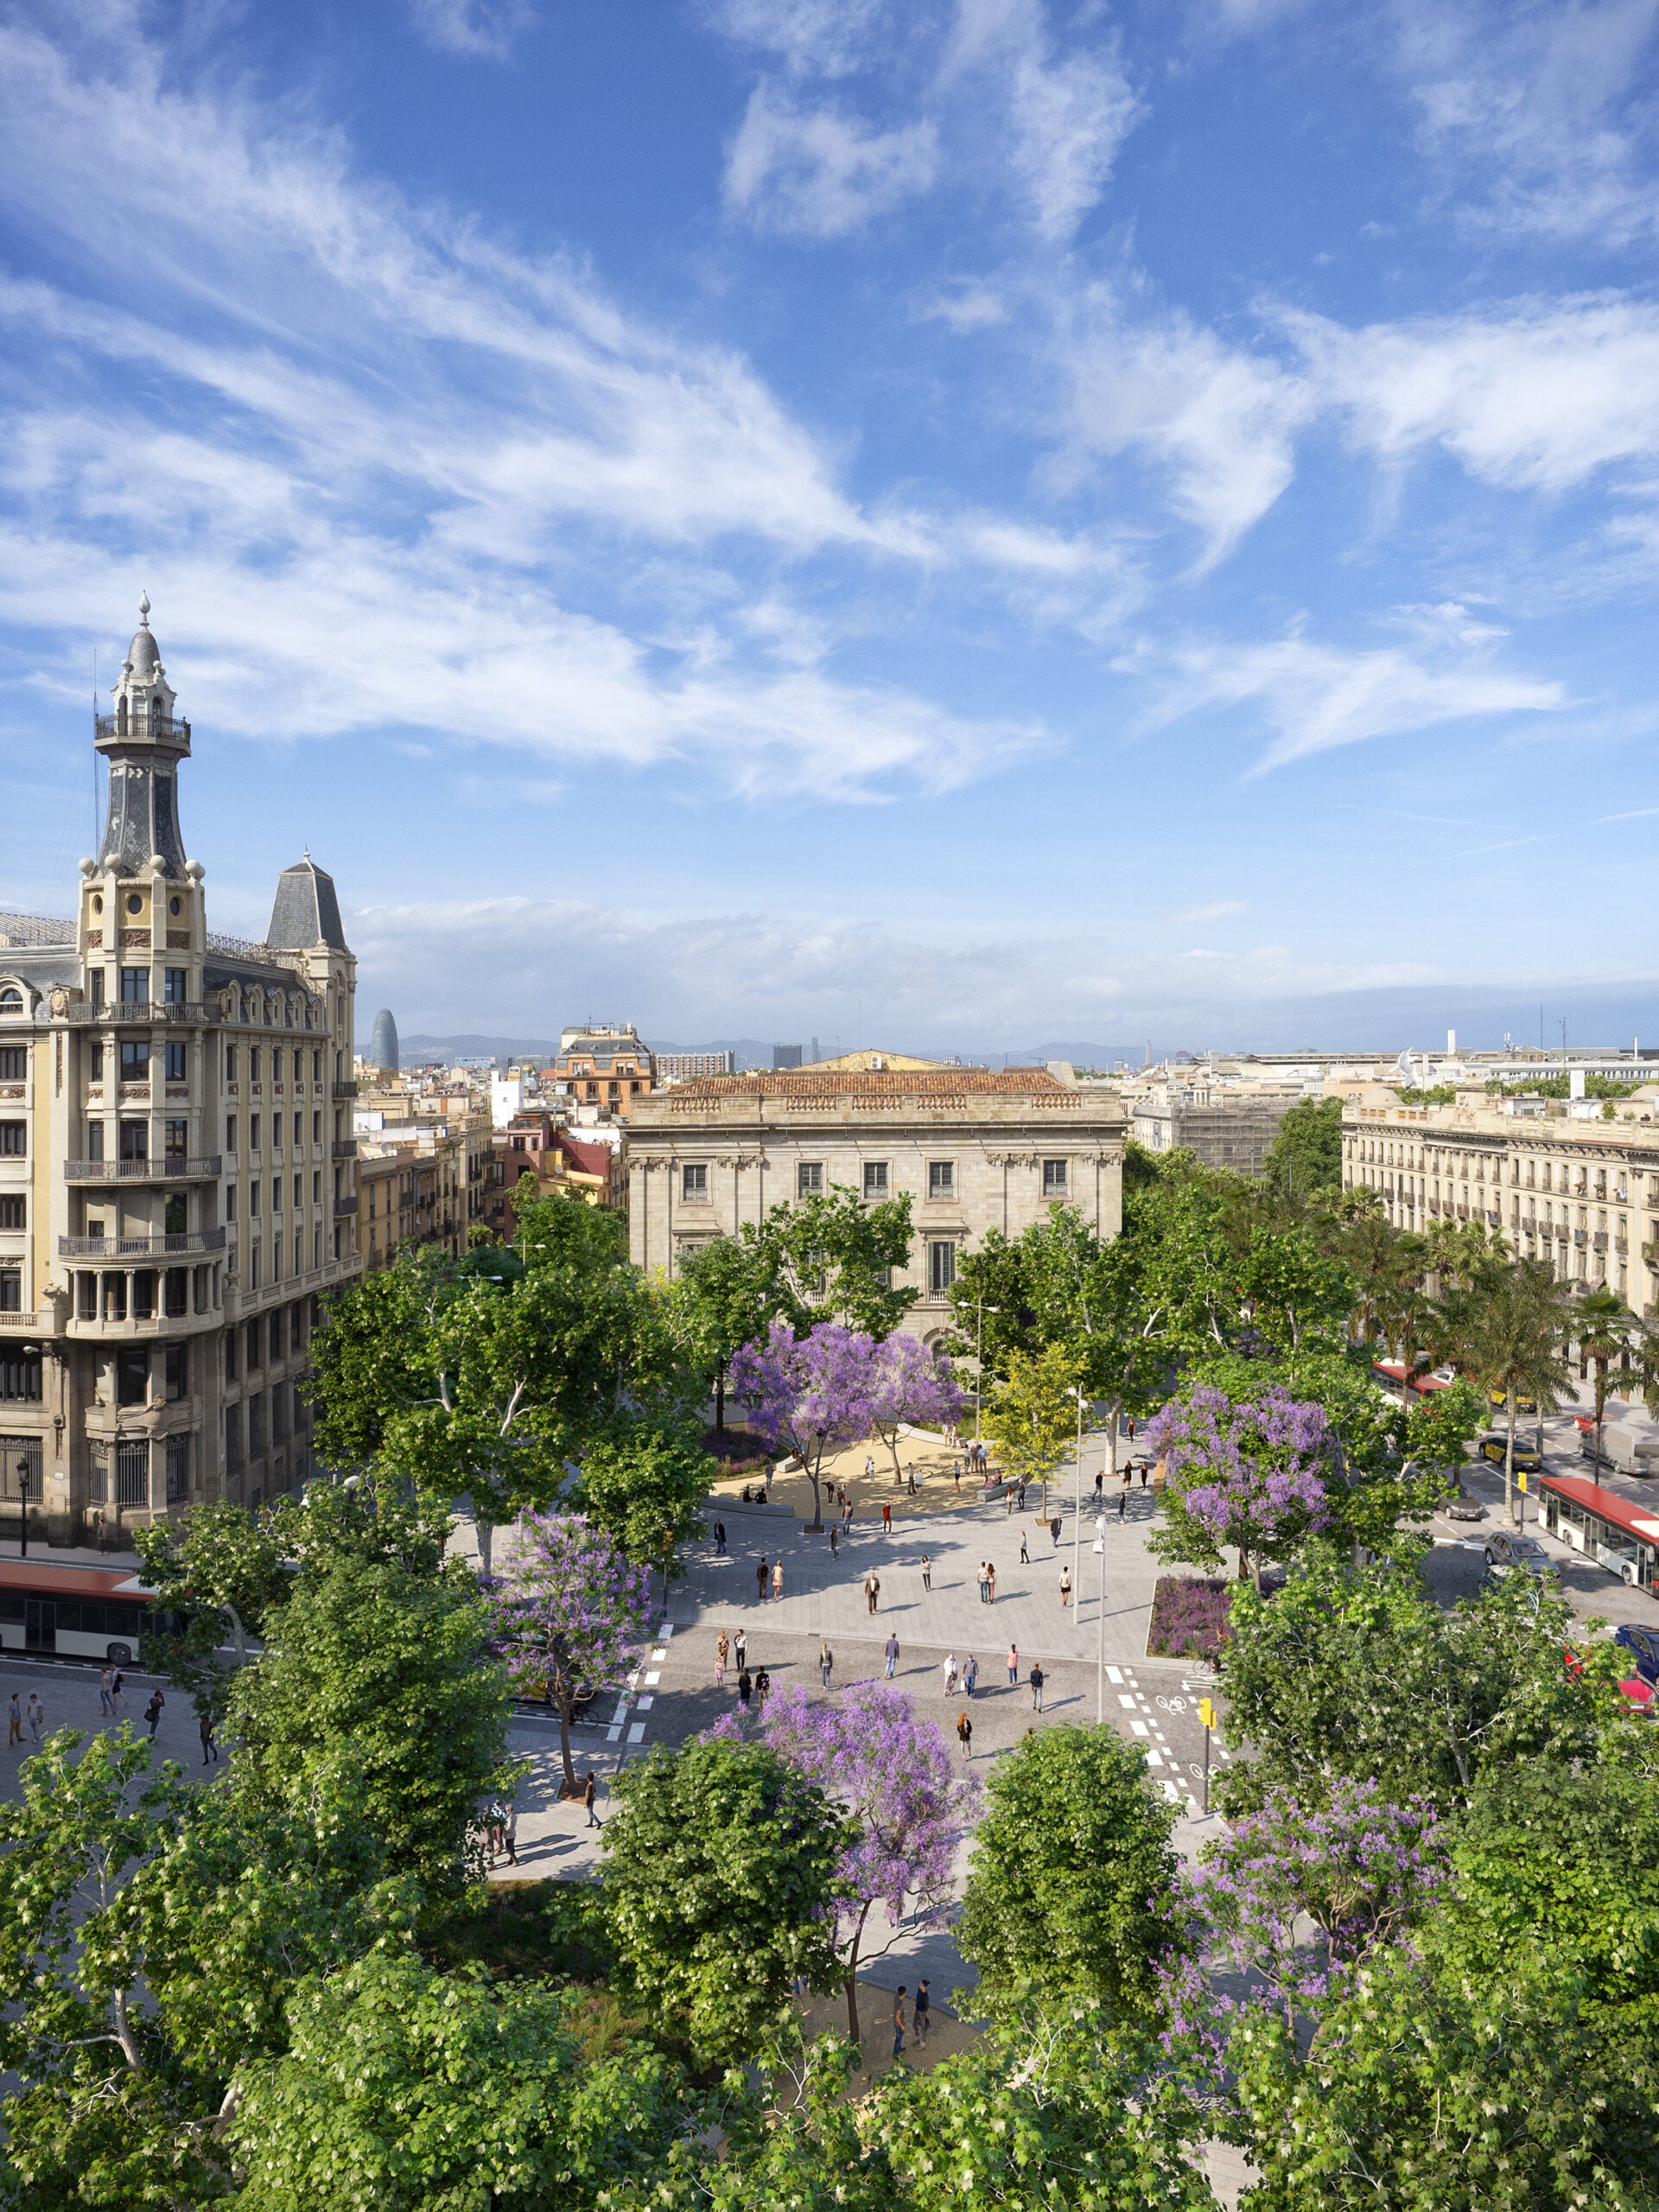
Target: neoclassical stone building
{"type": "Point", "coordinates": [177, 1179]}
{"type": "Point", "coordinates": [975, 1149]}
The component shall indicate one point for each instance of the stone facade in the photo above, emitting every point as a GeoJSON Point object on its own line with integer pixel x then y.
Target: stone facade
{"type": "Point", "coordinates": [177, 1180]}
{"type": "Point", "coordinates": [974, 1148]}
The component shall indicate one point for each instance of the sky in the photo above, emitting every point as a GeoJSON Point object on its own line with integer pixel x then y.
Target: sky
{"type": "Point", "coordinates": [938, 523]}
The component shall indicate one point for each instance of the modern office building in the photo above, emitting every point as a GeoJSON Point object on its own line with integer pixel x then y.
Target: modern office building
{"type": "Point", "coordinates": [177, 1178]}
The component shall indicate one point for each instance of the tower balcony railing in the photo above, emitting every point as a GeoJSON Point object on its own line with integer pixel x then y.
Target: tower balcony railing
{"type": "Point", "coordinates": [178, 1245]}
{"type": "Point", "coordinates": [186, 1012]}
{"type": "Point", "coordinates": [163, 729]}
{"type": "Point", "coordinates": [167, 1169]}
{"type": "Point", "coordinates": [345, 1090]}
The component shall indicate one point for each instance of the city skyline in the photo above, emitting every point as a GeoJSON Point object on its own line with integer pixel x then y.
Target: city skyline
{"type": "Point", "coordinates": [1020, 521]}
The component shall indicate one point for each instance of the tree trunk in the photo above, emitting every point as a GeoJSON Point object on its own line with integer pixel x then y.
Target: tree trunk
{"type": "Point", "coordinates": [486, 1544]}
{"type": "Point", "coordinates": [816, 1527]}
{"type": "Point", "coordinates": [566, 1703]}
{"type": "Point", "coordinates": [1509, 1458]}
{"type": "Point", "coordinates": [720, 1399]}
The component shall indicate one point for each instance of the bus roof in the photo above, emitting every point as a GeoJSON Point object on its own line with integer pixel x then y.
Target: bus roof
{"type": "Point", "coordinates": [70, 1581]}
{"type": "Point", "coordinates": [1637, 1519]}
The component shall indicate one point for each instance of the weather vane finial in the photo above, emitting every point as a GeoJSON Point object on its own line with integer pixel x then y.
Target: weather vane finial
{"type": "Point", "coordinates": [144, 608]}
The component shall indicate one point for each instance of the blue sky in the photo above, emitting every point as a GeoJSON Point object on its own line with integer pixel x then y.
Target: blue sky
{"type": "Point", "coordinates": [957, 523]}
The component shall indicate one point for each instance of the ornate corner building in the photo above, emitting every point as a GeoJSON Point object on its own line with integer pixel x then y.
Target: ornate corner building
{"type": "Point", "coordinates": [177, 1168]}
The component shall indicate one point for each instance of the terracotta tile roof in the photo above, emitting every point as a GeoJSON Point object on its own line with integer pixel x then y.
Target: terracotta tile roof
{"type": "Point", "coordinates": [930, 1082]}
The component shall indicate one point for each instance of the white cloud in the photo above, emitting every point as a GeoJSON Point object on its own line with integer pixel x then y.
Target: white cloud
{"type": "Point", "coordinates": [1313, 698]}
{"type": "Point", "coordinates": [810, 38]}
{"type": "Point", "coordinates": [820, 171]}
{"type": "Point", "coordinates": [487, 29]}
{"type": "Point", "coordinates": [1219, 911]}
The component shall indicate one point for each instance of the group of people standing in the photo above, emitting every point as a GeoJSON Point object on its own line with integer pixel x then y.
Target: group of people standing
{"type": "Point", "coordinates": [750, 1687]}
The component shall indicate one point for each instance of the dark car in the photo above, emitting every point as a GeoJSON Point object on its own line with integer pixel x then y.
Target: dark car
{"type": "Point", "coordinates": [1643, 1644]}
{"type": "Point", "coordinates": [1511, 1555]}
{"type": "Point", "coordinates": [1528, 1460]}
{"type": "Point", "coordinates": [1463, 1507]}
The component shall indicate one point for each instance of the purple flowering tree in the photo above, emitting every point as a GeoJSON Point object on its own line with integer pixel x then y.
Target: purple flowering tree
{"type": "Point", "coordinates": [813, 1394]}
{"type": "Point", "coordinates": [572, 1610]}
{"type": "Point", "coordinates": [869, 1753]}
{"type": "Point", "coordinates": [1249, 1474]}
{"type": "Point", "coordinates": [1290, 1901]}
{"type": "Point", "coordinates": [911, 1386]}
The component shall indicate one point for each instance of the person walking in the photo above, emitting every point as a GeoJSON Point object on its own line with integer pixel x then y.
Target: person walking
{"type": "Point", "coordinates": [869, 1466]}
{"type": "Point", "coordinates": [720, 1540]}
{"type": "Point", "coordinates": [970, 1675]}
{"type": "Point", "coordinates": [1023, 1486]}
{"type": "Point", "coordinates": [13, 1721]}
{"type": "Point", "coordinates": [104, 1682]}
{"type": "Point", "coordinates": [117, 1690]}
{"type": "Point", "coordinates": [1037, 1679]}
{"type": "Point", "coordinates": [1024, 1556]}
{"type": "Point", "coordinates": [1146, 1471]}
{"type": "Point", "coordinates": [741, 1648]}
{"type": "Point", "coordinates": [510, 1834]}
{"type": "Point", "coordinates": [1125, 1479]}
{"type": "Point", "coordinates": [762, 1689]}
{"type": "Point", "coordinates": [990, 1581]}
{"type": "Point", "coordinates": [745, 1690]}
{"type": "Point", "coordinates": [722, 1652]}
{"type": "Point", "coordinates": [890, 1654]}
{"type": "Point", "coordinates": [761, 1580]}
{"type": "Point", "coordinates": [955, 1469]}
{"type": "Point", "coordinates": [1054, 1530]}
{"type": "Point", "coordinates": [965, 1735]}
{"type": "Point", "coordinates": [1100, 1477]}
{"type": "Point", "coordinates": [1066, 1587]}
{"type": "Point", "coordinates": [887, 1517]}
{"type": "Point", "coordinates": [209, 1748]}
{"type": "Point", "coordinates": [36, 1718]}
{"type": "Point", "coordinates": [777, 1580]}
{"type": "Point", "coordinates": [826, 1662]}
{"type": "Point", "coordinates": [871, 1588]}
{"type": "Point", "coordinates": [899, 2021]}
{"type": "Point", "coordinates": [984, 1586]}
{"type": "Point", "coordinates": [1013, 1664]}
{"type": "Point", "coordinates": [834, 1541]}
{"type": "Point", "coordinates": [1122, 1504]}
{"type": "Point", "coordinates": [949, 1670]}
{"type": "Point", "coordinates": [153, 1711]}
{"type": "Point", "coordinates": [927, 1572]}
{"type": "Point", "coordinates": [909, 1476]}
{"type": "Point", "coordinates": [589, 1792]}
{"type": "Point", "coordinates": [920, 2012]}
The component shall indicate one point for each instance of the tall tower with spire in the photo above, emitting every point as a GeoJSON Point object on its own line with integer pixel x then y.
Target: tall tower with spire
{"type": "Point", "coordinates": [144, 741]}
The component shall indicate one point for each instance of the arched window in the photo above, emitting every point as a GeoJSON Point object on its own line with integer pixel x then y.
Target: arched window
{"type": "Point", "coordinates": [11, 998]}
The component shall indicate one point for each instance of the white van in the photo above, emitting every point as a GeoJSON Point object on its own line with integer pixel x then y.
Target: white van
{"type": "Point", "coordinates": [1621, 1453]}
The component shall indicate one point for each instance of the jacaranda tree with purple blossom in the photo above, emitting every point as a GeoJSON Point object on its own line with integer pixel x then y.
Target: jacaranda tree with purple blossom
{"type": "Point", "coordinates": [573, 1610]}
{"type": "Point", "coordinates": [1249, 1473]}
{"type": "Point", "coordinates": [870, 1753]}
{"type": "Point", "coordinates": [813, 1394]}
{"type": "Point", "coordinates": [911, 1386]}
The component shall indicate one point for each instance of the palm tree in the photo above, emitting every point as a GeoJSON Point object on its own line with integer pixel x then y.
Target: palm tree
{"type": "Point", "coordinates": [1605, 1327]}
{"type": "Point", "coordinates": [1514, 1339]}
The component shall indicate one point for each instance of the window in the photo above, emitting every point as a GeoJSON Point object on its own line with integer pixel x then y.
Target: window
{"type": "Point", "coordinates": [134, 1059]}
{"type": "Point", "coordinates": [316, 1187]}
{"type": "Point", "coordinates": [316, 1128]}
{"type": "Point", "coordinates": [277, 1326]}
{"type": "Point", "coordinates": [230, 1064]}
{"type": "Point", "coordinates": [233, 1440]}
{"type": "Point", "coordinates": [131, 1376]}
{"type": "Point", "coordinates": [1054, 1179]}
{"type": "Point", "coordinates": [178, 1369]}
{"type": "Point", "coordinates": [941, 1178]}
{"type": "Point", "coordinates": [175, 985]}
{"type": "Point", "coordinates": [143, 1294]}
{"type": "Point", "coordinates": [229, 1203]}
{"type": "Point", "coordinates": [299, 1129]}
{"type": "Point", "coordinates": [941, 1267]}
{"type": "Point", "coordinates": [134, 986]}
{"type": "Point", "coordinates": [135, 1140]}
{"type": "Point", "coordinates": [693, 1179]}
{"type": "Point", "coordinates": [13, 1140]}
{"type": "Point", "coordinates": [875, 1179]}
{"type": "Point", "coordinates": [229, 1355]}
{"type": "Point", "coordinates": [276, 1194]}
{"type": "Point", "coordinates": [230, 1133]}
{"type": "Point", "coordinates": [253, 1064]}
{"type": "Point", "coordinates": [11, 1290]}
{"type": "Point", "coordinates": [253, 1132]}
{"type": "Point", "coordinates": [176, 1215]}
{"type": "Point", "coordinates": [279, 1412]}
{"type": "Point", "coordinates": [14, 1211]}
{"type": "Point", "coordinates": [11, 1000]}
{"type": "Point", "coordinates": [132, 1471]}
{"type": "Point", "coordinates": [257, 1424]}
{"type": "Point", "coordinates": [175, 1062]}
{"type": "Point", "coordinates": [176, 1292]}
{"type": "Point", "coordinates": [316, 1068]}
{"type": "Point", "coordinates": [98, 1473]}
{"type": "Point", "coordinates": [95, 1062]}
{"type": "Point", "coordinates": [13, 1062]}
{"type": "Point", "coordinates": [20, 1376]}
{"type": "Point", "coordinates": [809, 1178]}
{"type": "Point", "coordinates": [178, 1469]}
{"type": "Point", "coordinates": [176, 1139]}
{"type": "Point", "coordinates": [98, 987]}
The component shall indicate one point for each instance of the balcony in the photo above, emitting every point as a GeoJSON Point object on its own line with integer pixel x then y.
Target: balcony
{"type": "Point", "coordinates": [1651, 1254]}
{"type": "Point", "coordinates": [140, 729]}
{"type": "Point", "coordinates": [130, 1012]}
{"type": "Point", "coordinates": [165, 1170]}
{"type": "Point", "coordinates": [345, 1148]}
{"type": "Point", "coordinates": [23, 1324]}
{"type": "Point", "coordinates": [1580, 1236]}
{"type": "Point", "coordinates": [182, 1244]}
{"type": "Point", "coordinates": [346, 1205]}
{"type": "Point", "coordinates": [1599, 1240]}
{"type": "Point", "coordinates": [345, 1090]}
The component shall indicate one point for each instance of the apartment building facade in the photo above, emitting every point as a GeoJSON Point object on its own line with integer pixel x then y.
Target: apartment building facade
{"type": "Point", "coordinates": [177, 1179]}
{"type": "Point", "coordinates": [608, 1067]}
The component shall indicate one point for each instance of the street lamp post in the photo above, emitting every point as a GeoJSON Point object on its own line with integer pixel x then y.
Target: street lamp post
{"type": "Point", "coordinates": [1100, 1639]}
{"type": "Point", "coordinates": [981, 1309]}
{"type": "Point", "coordinates": [22, 1492]}
{"type": "Point", "coordinates": [1077, 1524]}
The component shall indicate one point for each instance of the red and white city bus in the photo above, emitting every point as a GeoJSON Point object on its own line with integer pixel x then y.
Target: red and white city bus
{"type": "Point", "coordinates": [1622, 1537]}
{"type": "Point", "coordinates": [78, 1612]}
{"type": "Point", "coordinates": [1391, 1374]}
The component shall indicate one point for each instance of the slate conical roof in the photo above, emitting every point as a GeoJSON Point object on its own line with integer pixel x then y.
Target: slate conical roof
{"type": "Point", "coordinates": [306, 911]}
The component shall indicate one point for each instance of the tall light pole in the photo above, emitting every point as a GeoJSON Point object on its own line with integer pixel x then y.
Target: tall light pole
{"type": "Point", "coordinates": [22, 1492]}
{"type": "Point", "coordinates": [1100, 1640]}
{"type": "Point", "coordinates": [1076, 1522]}
{"type": "Point", "coordinates": [981, 1309]}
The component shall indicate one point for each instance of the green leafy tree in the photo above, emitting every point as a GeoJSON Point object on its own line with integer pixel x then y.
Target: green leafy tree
{"type": "Point", "coordinates": [1305, 1155]}
{"type": "Point", "coordinates": [647, 1487]}
{"type": "Point", "coordinates": [726, 1293]}
{"type": "Point", "coordinates": [1515, 1343]}
{"type": "Point", "coordinates": [1606, 1329]}
{"type": "Point", "coordinates": [1033, 1417]}
{"type": "Point", "coordinates": [720, 1861]}
{"type": "Point", "coordinates": [840, 1256]}
{"type": "Point", "coordinates": [378, 1689]}
{"type": "Point", "coordinates": [1071, 1889]}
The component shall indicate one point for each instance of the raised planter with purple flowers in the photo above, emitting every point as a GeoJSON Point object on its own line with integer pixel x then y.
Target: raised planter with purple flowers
{"type": "Point", "coordinates": [1190, 1619]}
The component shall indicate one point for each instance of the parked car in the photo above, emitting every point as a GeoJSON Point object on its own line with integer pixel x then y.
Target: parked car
{"type": "Point", "coordinates": [1511, 1555]}
{"type": "Point", "coordinates": [1643, 1644]}
{"type": "Point", "coordinates": [1528, 1460]}
{"type": "Point", "coordinates": [1463, 1507]}
{"type": "Point", "coordinates": [1621, 1453]}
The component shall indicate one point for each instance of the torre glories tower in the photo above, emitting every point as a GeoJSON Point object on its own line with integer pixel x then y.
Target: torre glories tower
{"type": "Point", "coordinates": [177, 1178]}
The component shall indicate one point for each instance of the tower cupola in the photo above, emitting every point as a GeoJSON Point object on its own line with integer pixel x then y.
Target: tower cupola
{"type": "Point", "coordinates": [144, 741]}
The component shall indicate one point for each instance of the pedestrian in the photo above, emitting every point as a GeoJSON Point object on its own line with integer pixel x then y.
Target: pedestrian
{"type": "Point", "coordinates": [1127, 1472]}
{"type": "Point", "coordinates": [209, 1748]}
{"type": "Point", "coordinates": [927, 1572]}
{"type": "Point", "coordinates": [777, 1580]}
{"type": "Point", "coordinates": [1100, 1477]}
{"type": "Point", "coordinates": [36, 1718]}
{"type": "Point", "coordinates": [970, 1675]}
{"type": "Point", "coordinates": [117, 1690]}
{"type": "Point", "coordinates": [984, 1586]}
{"type": "Point", "coordinates": [762, 1689]}
{"type": "Point", "coordinates": [949, 1670]}
{"type": "Point", "coordinates": [890, 1653]}
{"type": "Point", "coordinates": [1022, 1497]}
{"type": "Point", "coordinates": [965, 1735]}
{"type": "Point", "coordinates": [899, 2021]}
{"type": "Point", "coordinates": [1037, 1679]}
{"type": "Point", "coordinates": [1146, 1470]}
{"type": "Point", "coordinates": [955, 1469]}
{"type": "Point", "coordinates": [722, 1652]}
{"type": "Point", "coordinates": [1024, 1556]}
{"type": "Point", "coordinates": [745, 1690]}
{"type": "Point", "coordinates": [13, 1721]}
{"type": "Point", "coordinates": [493, 1828]}
{"type": "Point", "coordinates": [910, 1476]}
{"type": "Point", "coordinates": [1122, 1504]}
{"type": "Point", "coordinates": [990, 1581]}
{"type": "Point", "coordinates": [720, 1540]}
{"type": "Point", "coordinates": [869, 1466]}
{"type": "Point", "coordinates": [1014, 1664]}
{"type": "Point", "coordinates": [826, 1662]}
{"type": "Point", "coordinates": [920, 2011]}
{"type": "Point", "coordinates": [872, 1587]}
{"type": "Point", "coordinates": [887, 1515]}
{"type": "Point", "coordinates": [510, 1834]}
{"type": "Point", "coordinates": [760, 1580]}
{"type": "Point", "coordinates": [1054, 1530]}
{"type": "Point", "coordinates": [589, 1792]}
{"type": "Point", "coordinates": [104, 1682]}
{"type": "Point", "coordinates": [834, 1541]}
{"type": "Point", "coordinates": [153, 1711]}
{"type": "Point", "coordinates": [847, 1510]}
{"type": "Point", "coordinates": [741, 1648]}
{"type": "Point", "coordinates": [1066, 1587]}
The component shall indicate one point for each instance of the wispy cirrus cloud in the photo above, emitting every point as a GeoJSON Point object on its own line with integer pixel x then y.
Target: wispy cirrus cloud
{"type": "Point", "coordinates": [819, 170]}
{"type": "Point", "coordinates": [486, 30]}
